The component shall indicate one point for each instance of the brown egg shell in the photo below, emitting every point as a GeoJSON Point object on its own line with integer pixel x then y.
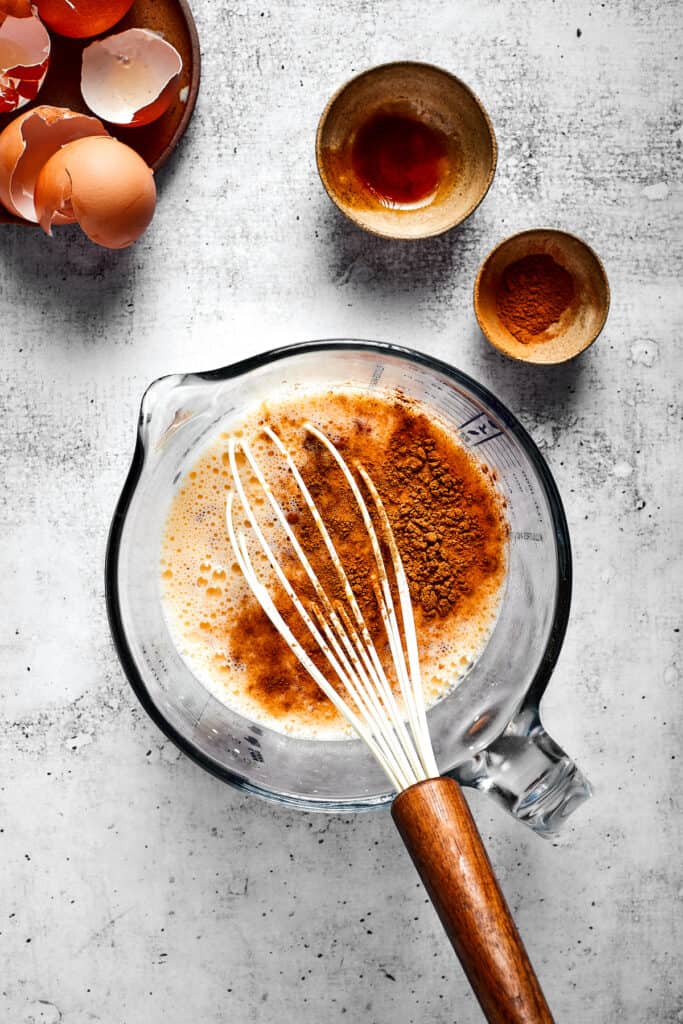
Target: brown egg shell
{"type": "Point", "coordinates": [81, 19]}
{"type": "Point", "coordinates": [26, 145]}
{"type": "Point", "coordinates": [131, 78]}
{"type": "Point", "coordinates": [24, 59]}
{"type": "Point", "coordinates": [101, 183]}
{"type": "Point", "coordinates": [15, 9]}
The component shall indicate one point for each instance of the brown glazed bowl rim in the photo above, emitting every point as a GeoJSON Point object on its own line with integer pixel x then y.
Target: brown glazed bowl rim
{"type": "Point", "coordinates": [194, 87]}
{"type": "Point", "coordinates": [406, 64]}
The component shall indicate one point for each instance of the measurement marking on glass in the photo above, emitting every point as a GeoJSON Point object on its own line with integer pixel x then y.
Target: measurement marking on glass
{"type": "Point", "coordinates": [376, 376]}
{"type": "Point", "coordinates": [480, 430]}
{"type": "Point", "coordinates": [200, 715]}
{"type": "Point", "coordinates": [470, 420]}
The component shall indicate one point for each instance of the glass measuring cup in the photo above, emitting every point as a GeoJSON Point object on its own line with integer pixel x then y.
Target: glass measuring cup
{"type": "Point", "coordinates": [487, 732]}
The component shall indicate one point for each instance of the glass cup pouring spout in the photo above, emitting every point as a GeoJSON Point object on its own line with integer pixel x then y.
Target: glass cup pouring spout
{"type": "Point", "coordinates": [167, 405]}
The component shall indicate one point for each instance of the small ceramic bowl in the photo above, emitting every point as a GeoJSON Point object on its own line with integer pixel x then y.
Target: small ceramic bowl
{"type": "Point", "coordinates": [441, 102]}
{"type": "Point", "coordinates": [580, 323]}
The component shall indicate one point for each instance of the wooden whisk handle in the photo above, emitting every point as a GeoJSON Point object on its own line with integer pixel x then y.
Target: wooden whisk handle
{"type": "Point", "coordinates": [440, 834]}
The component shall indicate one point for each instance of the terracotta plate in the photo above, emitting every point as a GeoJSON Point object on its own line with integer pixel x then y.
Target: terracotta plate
{"type": "Point", "coordinates": [155, 142]}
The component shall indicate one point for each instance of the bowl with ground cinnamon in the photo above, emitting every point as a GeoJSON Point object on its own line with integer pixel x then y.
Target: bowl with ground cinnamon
{"type": "Point", "coordinates": [541, 296]}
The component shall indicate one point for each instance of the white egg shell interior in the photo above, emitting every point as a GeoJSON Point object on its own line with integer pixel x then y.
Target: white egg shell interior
{"type": "Point", "coordinates": [125, 73]}
{"type": "Point", "coordinates": [24, 55]}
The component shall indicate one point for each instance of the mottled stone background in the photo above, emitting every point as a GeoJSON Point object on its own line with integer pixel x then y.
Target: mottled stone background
{"type": "Point", "coordinates": [134, 888]}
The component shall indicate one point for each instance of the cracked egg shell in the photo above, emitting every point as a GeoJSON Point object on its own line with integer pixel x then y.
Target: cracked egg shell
{"type": "Point", "coordinates": [80, 19]}
{"type": "Point", "coordinates": [24, 60]}
{"type": "Point", "coordinates": [15, 9]}
{"type": "Point", "coordinates": [103, 185]}
{"type": "Point", "coordinates": [130, 78]}
{"type": "Point", "coordinates": [28, 142]}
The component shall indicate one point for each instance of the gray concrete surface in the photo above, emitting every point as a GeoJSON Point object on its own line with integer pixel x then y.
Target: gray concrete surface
{"type": "Point", "coordinates": [134, 889]}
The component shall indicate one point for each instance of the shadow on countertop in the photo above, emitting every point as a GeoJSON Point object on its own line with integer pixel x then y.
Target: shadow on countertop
{"type": "Point", "coordinates": [389, 265]}
{"type": "Point", "coordinates": [66, 274]}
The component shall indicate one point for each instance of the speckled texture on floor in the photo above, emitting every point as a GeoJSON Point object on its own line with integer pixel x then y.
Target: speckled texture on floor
{"type": "Point", "coordinates": [135, 889]}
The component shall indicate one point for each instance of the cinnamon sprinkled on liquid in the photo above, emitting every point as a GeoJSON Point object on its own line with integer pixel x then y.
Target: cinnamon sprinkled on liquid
{"type": "Point", "coordinates": [445, 512]}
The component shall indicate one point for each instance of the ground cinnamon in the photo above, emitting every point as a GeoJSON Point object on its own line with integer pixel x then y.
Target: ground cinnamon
{"type": "Point", "coordinates": [533, 294]}
{"type": "Point", "coordinates": [448, 524]}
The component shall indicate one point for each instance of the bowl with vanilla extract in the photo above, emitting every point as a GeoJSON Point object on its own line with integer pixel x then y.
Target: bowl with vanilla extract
{"type": "Point", "coordinates": [541, 296]}
{"type": "Point", "coordinates": [406, 150]}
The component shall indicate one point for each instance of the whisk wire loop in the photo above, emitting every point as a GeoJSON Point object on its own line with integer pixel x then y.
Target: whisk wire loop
{"type": "Point", "coordinates": [383, 723]}
{"type": "Point", "coordinates": [366, 700]}
{"type": "Point", "coordinates": [377, 670]}
{"type": "Point", "coordinates": [262, 595]}
{"type": "Point", "coordinates": [411, 689]}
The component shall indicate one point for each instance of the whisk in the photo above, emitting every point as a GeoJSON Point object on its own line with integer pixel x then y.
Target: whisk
{"type": "Point", "coordinates": [430, 811]}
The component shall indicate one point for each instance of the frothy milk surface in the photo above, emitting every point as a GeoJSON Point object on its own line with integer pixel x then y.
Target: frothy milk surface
{"type": "Point", "coordinates": [446, 513]}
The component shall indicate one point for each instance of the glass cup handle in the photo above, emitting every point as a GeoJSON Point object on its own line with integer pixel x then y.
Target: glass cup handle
{"type": "Point", "coordinates": [529, 774]}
